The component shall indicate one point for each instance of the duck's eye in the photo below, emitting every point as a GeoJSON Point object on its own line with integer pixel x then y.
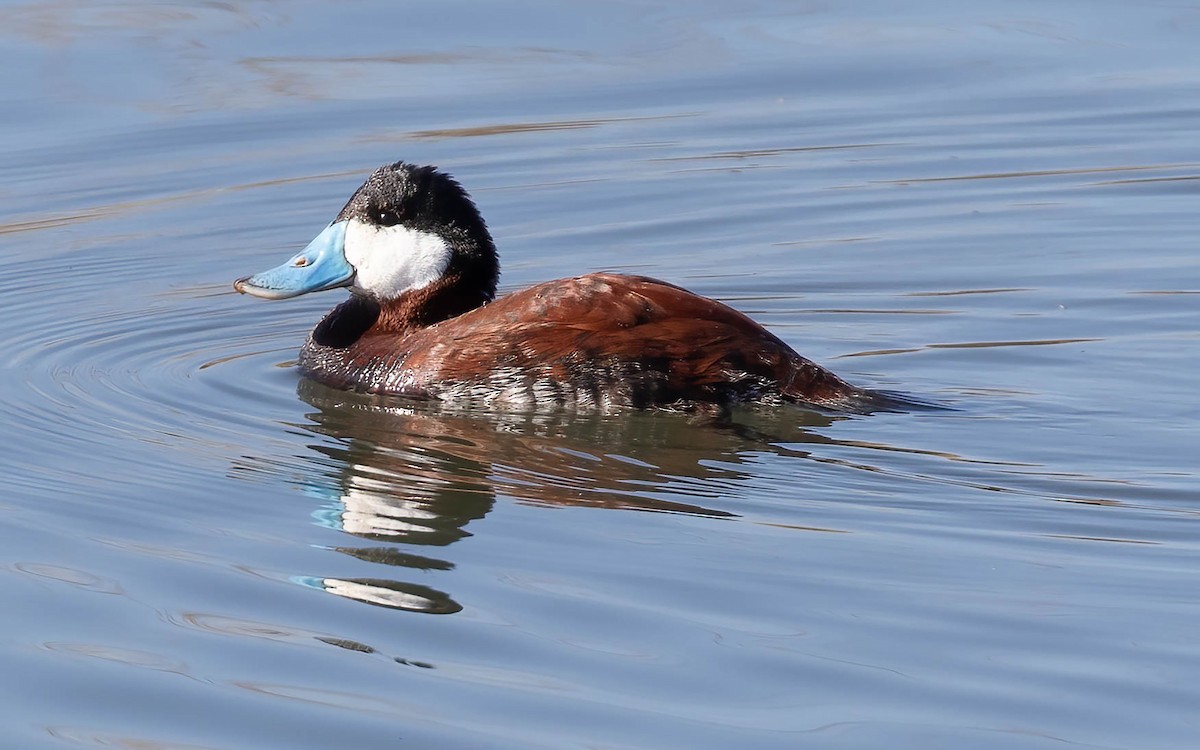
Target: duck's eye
{"type": "Point", "coordinates": [387, 217]}
{"type": "Point", "coordinates": [300, 262]}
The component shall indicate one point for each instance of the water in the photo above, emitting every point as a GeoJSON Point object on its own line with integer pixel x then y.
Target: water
{"type": "Point", "coordinates": [993, 208]}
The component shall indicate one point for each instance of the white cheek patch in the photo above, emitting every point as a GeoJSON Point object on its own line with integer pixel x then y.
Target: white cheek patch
{"type": "Point", "coordinates": [392, 260]}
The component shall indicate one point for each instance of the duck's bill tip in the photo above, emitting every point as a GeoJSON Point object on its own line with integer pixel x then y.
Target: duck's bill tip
{"type": "Point", "coordinates": [247, 285]}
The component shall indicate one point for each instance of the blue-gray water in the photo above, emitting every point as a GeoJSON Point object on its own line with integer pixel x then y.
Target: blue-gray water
{"type": "Point", "coordinates": [991, 206]}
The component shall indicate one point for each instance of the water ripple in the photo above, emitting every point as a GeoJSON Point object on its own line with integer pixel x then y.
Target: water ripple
{"type": "Point", "coordinates": [94, 366]}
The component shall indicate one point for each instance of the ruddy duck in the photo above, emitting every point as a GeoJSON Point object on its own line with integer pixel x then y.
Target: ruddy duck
{"type": "Point", "coordinates": [422, 320]}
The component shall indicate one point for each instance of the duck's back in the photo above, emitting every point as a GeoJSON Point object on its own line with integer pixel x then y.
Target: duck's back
{"type": "Point", "coordinates": [601, 340]}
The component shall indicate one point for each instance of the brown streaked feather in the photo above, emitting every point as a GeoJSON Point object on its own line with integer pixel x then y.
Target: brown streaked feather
{"type": "Point", "coordinates": [601, 338]}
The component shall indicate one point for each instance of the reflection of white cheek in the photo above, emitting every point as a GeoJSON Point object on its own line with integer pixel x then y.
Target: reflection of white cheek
{"type": "Point", "coordinates": [392, 260]}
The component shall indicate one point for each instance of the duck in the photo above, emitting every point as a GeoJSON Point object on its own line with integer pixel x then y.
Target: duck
{"type": "Point", "coordinates": [423, 320]}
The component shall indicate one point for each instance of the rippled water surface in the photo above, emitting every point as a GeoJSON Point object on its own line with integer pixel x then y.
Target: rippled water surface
{"type": "Point", "coordinates": [992, 207]}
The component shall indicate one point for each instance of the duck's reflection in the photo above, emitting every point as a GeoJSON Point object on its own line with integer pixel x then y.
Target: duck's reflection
{"type": "Point", "coordinates": [413, 474]}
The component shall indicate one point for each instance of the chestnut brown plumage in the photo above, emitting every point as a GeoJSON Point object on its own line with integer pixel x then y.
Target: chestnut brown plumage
{"type": "Point", "coordinates": [602, 340]}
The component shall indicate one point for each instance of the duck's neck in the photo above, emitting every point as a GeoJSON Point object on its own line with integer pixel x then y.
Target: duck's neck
{"type": "Point", "coordinates": [445, 298]}
{"type": "Point", "coordinates": [448, 297]}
